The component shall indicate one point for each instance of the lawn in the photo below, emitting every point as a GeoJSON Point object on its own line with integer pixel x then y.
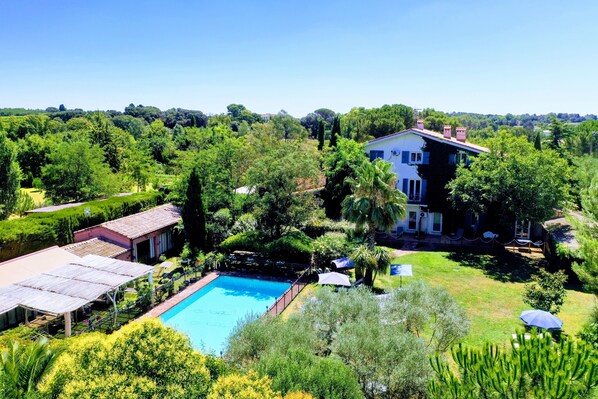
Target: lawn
{"type": "Point", "coordinates": [489, 287]}
{"type": "Point", "coordinates": [37, 195]}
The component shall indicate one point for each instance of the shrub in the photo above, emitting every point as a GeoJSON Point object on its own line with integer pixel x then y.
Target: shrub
{"type": "Point", "coordinates": [144, 359]}
{"type": "Point", "coordinates": [248, 241]}
{"type": "Point", "coordinates": [244, 223]}
{"type": "Point", "coordinates": [249, 386]}
{"type": "Point", "coordinates": [546, 291]}
{"type": "Point", "coordinates": [294, 246]}
{"type": "Point", "coordinates": [329, 247]}
{"type": "Point", "coordinates": [323, 377]}
{"type": "Point", "coordinates": [320, 226]}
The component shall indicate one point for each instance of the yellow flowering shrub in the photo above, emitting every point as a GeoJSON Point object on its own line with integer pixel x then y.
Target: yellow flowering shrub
{"type": "Point", "coordinates": [238, 386]}
{"type": "Point", "coordinates": [142, 360]}
{"type": "Point", "coordinates": [298, 395]}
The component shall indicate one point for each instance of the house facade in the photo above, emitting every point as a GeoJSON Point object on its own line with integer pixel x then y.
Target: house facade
{"type": "Point", "coordinates": [425, 161]}
{"type": "Point", "coordinates": [144, 236]}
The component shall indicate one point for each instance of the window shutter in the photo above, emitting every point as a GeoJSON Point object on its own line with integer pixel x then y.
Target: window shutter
{"type": "Point", "coordinates": [405, 157]}
{"type": "Point", "coordinates": [426, 159]}
{"type": "Point", "coordinates": [452, 159]}
{"type": "Point", "coordinates": [424, 190]}
{"type": "Point", "coordinates": [406, 186]}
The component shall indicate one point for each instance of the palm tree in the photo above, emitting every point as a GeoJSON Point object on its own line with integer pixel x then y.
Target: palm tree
{"type": "Point", "coordinates": [22, 368]}
{"type": "Point", "coordinates": [374, 205]}
{"type": "Point", "coordinates": [369, 263]}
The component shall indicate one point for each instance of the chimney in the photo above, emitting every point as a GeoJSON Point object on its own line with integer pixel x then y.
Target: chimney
{"type": "Point", "coordinates": [461, 135]}
{"type": "Point", "coordinates": [448, 131]}
{"type": "Point", "coordinates": [420, 124]}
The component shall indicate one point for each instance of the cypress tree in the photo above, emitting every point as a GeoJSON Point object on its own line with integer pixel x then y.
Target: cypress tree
{"type": "Point", "coordinates": [193, 214]}
{"type": "Point", "coordinates": [538, 142]}
{"type": "Point", "coordinates": [336, 131]}
{"type": "Point", "coordinates": [320, 135]}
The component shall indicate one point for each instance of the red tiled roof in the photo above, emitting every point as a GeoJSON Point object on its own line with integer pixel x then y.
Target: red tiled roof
{"type": "Point", "coordinates": [95, 246]}
{"type": "Point", "coordinates": [146, 222]}
{"type": "Point", "coordinates": [435, 136]}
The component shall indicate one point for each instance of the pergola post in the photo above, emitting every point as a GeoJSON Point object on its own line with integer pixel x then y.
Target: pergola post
{"type": "Point", "coordinates": [67, 324]}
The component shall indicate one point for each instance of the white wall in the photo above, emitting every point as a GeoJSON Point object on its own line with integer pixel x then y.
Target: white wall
{"type": "Point", "coordinates": [407, 142]}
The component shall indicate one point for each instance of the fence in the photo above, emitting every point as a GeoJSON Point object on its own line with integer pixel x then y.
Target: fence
{"type": "Point", "coordinates": [281, 304]}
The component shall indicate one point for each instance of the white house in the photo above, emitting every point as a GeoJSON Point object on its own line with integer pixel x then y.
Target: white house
{"type": "Point", "coordinates": [424, 162]}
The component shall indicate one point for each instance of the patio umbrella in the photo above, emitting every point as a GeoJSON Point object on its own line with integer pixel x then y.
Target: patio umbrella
{"type": "Point", "coordinates": [334, 278]}
{"type": "Point", "coordinates": [401, 270]}
{"type": "Point", "coordinates": [343, 263]}
{"type": "Point", "coordinates": [541, 319]}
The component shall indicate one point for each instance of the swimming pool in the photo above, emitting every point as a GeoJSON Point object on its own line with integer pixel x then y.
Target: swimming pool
{"type": "Point", "coordinates": [209, 315]}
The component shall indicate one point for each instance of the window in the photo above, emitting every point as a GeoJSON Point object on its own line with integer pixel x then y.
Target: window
{"type": "Point", "coordinates": [437, 221]}
{"type": "Point", "coordinates": [412, 220]}
{"type": "Point", "coordinates": [416, 157]}
{"type": "Point", "coordinates": [374, 154]}
{"type": "Point", "coordinates": [414, 193]}
{"type": "Point", "coordinates": [522, 229]}
{"type": "Point", "coordinates": [461, 158]}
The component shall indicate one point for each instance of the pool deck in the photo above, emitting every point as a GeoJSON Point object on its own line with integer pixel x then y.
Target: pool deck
{"type": "Point", "coordinates": [181, 296]}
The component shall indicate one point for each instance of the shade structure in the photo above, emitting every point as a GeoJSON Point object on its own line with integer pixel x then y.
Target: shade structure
{"type": "Point", "coordinates": [334, 278]}
{"type": "Point", "coordinates": [401, 270]}
{"type": "Point", "coordinates": [343, 263]}
{"type": "Point", "coordinates": [541, 319]}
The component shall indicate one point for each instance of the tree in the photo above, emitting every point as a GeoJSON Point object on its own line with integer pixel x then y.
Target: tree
{"type": "Point", "coordinates": [558, 132]}
{"type": "Point", "coordinates": [513, 179]}
{"type": "Point", "coordinates": [375, 203]}
{"type": "Point", "coordinates": [428, 312]}
{"type": "Point", "coordinates": [532, 368]}
{"type": "Point", "coordinates": [370, 262]}
{"type": "Point", "coordinates": [22, 367]}
{"type": "Point", "coordinates": [76, 172]}
{"type": "Point", "coordinates": [546, 291]}
{"type": "Point", "coordinates": [335, 131]}
{"type": "Point", "coordinates": [587, 269]}
{"type": "Point", "coordinates": [62, 108]}
{"type": "Point", "coordinates": [193, 213]}
{"type": "Point", "coordinates": [538, 141]}
{"type": "Point", "coordinates": [340, 166]}
{"type": "Point", "coordinates": [281, 179]}
{"type": "Point", "coordinates": [10, 175]}
{"type": "Point", "coordinates": [320, 135]}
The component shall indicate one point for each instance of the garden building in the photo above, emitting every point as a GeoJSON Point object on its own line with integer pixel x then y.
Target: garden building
{"type": "Point", "coordinates": [141, 237]}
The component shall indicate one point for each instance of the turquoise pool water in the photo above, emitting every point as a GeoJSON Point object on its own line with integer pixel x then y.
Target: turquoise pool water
{"type": "Point", "coordinates": [209, 315]}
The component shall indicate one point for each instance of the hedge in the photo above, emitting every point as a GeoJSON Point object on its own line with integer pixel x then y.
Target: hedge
{"type": "Point", "coordinates": [294, 246]}
{"type": "Point", "coordinates": [42, 230]}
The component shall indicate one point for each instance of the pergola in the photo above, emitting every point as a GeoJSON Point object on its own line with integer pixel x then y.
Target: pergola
{"type": "Point", "coordinates": [67, 288]}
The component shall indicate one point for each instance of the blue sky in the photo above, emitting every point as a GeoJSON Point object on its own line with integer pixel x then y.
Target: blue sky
{"type": "Point", "coordinates": [482, 56]}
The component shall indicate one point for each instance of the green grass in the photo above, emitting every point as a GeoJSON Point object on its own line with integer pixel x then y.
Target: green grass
{"type": "Point", "coordinates": [37, 195]}
{"type": "Point", "coordinates": [489, 287]}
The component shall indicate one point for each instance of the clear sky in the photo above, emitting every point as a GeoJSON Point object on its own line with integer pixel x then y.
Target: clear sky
{"type": "Point", "coordinates": [476, 56]}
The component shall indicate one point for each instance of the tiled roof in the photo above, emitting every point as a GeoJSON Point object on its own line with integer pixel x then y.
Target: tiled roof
{"type": "Point", "coordinates": [95, 246]}
{"type": "Point", "coordinates": [146, 222]}
{"type": "Point", "coordinates": [435, 136]}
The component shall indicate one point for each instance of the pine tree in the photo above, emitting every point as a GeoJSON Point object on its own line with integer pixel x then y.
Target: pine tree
{"type": "Point", "coordinates": [320, 135]}
{"type": "Point", "coordinates": [538, 142]}
{"type": "Point", "coordinates": [336, 131]}
{"type": "Point", "coordinates": [193, 214]}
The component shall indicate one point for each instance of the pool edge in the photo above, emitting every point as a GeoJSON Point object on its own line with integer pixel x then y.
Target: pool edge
{"type": "Point", "coordinates": [180, 297]}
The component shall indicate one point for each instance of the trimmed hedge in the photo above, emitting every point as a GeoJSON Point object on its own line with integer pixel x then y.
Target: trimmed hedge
{"type": "Point", "coordinates": [42, 230]}
{"type": "Point", "coordinates": [294, 246]}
